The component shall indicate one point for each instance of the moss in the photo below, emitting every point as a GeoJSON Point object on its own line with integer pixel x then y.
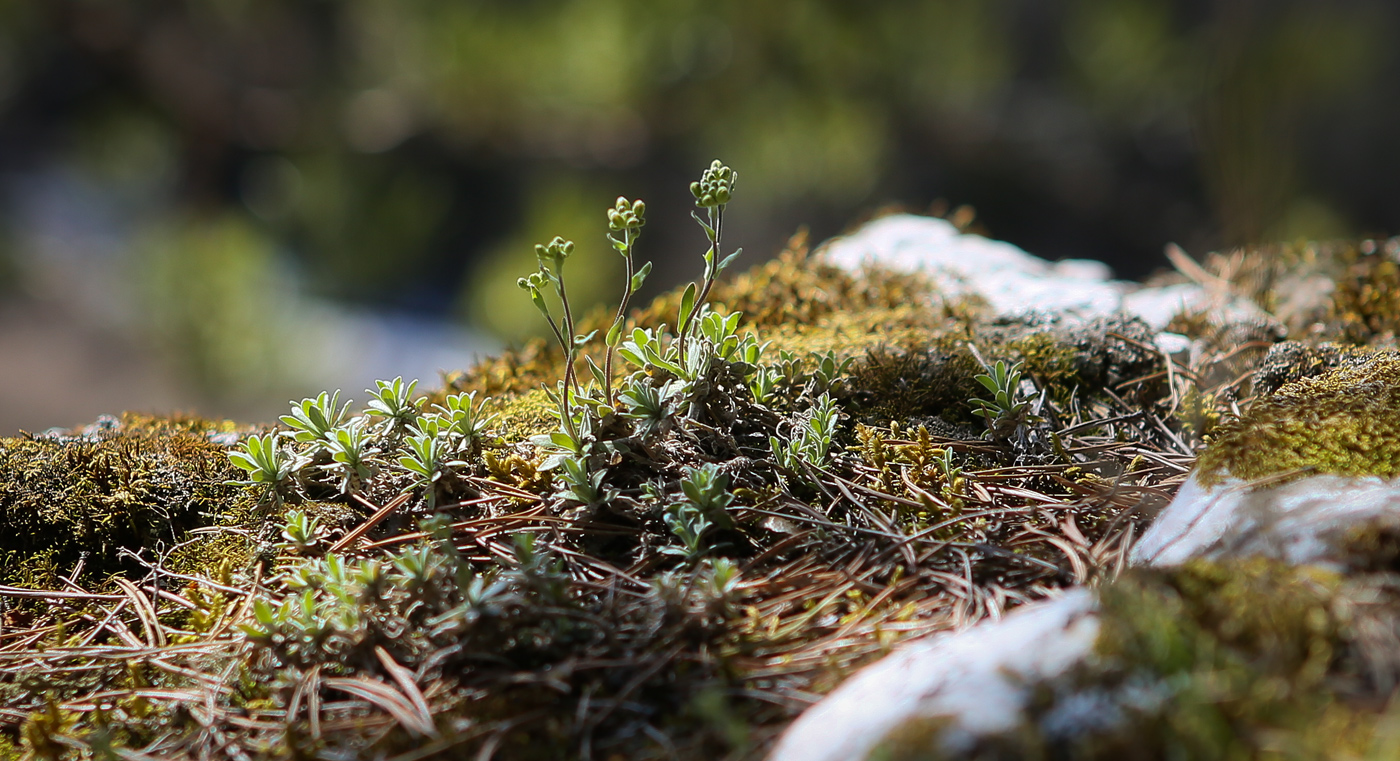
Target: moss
{"type": "Point", "coordinates": [1291, 361]}
{"type": "Point", "coordinates": [1365, 307]}
{"type": "Point", "coordinates": [131, 486]}
{"type": "Point", "coordinates": [1344, 422]}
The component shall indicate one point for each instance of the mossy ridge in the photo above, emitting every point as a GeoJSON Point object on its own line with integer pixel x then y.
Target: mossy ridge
{"type": "Point", "coordinates": [822, 564]}
{"type": "Point", "coordinates": [144, 482]}
{"type": "Point", "coordinates": [1344, 422]}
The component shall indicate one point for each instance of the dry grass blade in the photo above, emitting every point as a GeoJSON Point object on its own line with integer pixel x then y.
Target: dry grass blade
{"type": "Point", "coordinates": [406, 682]}
{"type": "Point", "coordinates": [359, 532]}
{"type": "Point", "coordinates": [392, 701]}
{"type": "Point", "coordinates": [155, 635]}
{"type": "Point", "coordinates": [45, 594]}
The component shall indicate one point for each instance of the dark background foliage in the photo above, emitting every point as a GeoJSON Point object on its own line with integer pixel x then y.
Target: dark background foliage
{"type": "Point", "coordinates": [219, 204]}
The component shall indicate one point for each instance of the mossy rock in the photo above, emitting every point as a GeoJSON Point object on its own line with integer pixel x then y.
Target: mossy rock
{"type": "Point", "coordinates": [134, 486]}
{"type": "Point", "coordinates": [1343, 422]}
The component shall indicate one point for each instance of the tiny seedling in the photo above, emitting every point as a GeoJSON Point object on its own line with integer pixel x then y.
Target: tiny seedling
{"type": "Point", "coordinates": [706, 488]}
{"type": "Point", "coordinates": [393, 401]}
{"type": "Point", "coordinates": [352, 455]}
{"type": "Point", "coordinates": [1006, 409]}
{"type": "Point", "coordinates": [811, 441]}
{"type": "Point", "coordinates": [313, 419]}
{"type": "Point", "coordinates": [268, 465]}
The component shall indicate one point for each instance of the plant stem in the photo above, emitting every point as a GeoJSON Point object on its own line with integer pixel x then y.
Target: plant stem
{"type": "Point", "coordinates": [716, 215]}
{"type": "Point", "coordinates": [570, 380]}
{"type": "Point", "coordinates": [621, 315]}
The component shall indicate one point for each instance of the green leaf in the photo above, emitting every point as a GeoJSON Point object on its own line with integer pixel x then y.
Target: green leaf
{"type": "Point", "coordinates": [687, 304]}
{"type": "Point", "coordinates": [614, 334]}
{"type": "Point", "coordinates": [730, 259]}
{"type": "Point", "coordinates": [596, 371]}
{"type": "Point", "coordinates": [709, 231]}
{"type": "Point", "coordinates": [641, 276]}
{"type": "Point", "coordinates": [538, 299]}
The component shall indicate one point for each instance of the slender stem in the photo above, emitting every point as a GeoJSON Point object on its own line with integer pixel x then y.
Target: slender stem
{"type": "Point", "coordinates": [621, 315]}
{"type": "Point", "coordinates": [716, 223]}
{"type": "Point", "coordinates": [567, 342]}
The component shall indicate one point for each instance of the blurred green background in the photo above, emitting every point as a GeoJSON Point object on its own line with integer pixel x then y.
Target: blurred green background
{"type": "Point", "coordinates": [218, 205]}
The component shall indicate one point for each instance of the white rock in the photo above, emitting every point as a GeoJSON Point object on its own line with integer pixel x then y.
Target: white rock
{"type": "Point", "coordinates": [1016, 283]}
{"type": "Point", "coordinates": [979, 679]}
{"type": "Point", "coordinates": [1298, 522]}
{"type": "Point", "coordinates": [1011, 280]}
{"type": "Point", "coordinates": [1172, 343]}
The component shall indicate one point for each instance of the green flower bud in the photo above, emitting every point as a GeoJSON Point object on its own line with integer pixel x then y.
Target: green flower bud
{"type": "Point", "coordinates": [639, 208]}
{"type": "Point", "coordinates": [695, 189]}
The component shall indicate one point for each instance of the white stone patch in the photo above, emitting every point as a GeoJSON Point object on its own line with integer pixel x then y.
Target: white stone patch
{"type": "Point", "coordinates": [979, 679]}
{"type": "Point", "coordinates": [1011, 280]}
{"type": "Point", "coordinates": [1017, 283]}
{"type": "Point", "coordinates": [1298, 522]}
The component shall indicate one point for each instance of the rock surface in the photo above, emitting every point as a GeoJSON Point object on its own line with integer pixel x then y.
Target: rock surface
{"type": "Point", "coordinates": [977, 681]}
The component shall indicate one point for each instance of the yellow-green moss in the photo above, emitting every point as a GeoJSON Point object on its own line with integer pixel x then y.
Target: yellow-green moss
{"type": "Point", "coordinates": [1365, 306]}
{"type": "Point", "coordinates": [148, 482]}
{"type": "Point", "coordinates": [1345, 422]}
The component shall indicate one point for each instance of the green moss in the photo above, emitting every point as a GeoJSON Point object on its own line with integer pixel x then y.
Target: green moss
{"type": "Point", "coordinates": [1365, 306]}
{"type": "Point", "coordinates": [1345, 422]}
{"type": "Point", "coordinates": [148, 482]}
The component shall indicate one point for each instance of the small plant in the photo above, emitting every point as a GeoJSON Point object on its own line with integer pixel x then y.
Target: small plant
{"type": "Point", "coordinates": [551, 257]}
{"type": "Point", "coordinates": [625, 221]}
{"type": "Point", "coordinates": [649, 406]}
{"type": "Point", "coordinates": [393, 401]}
{"type": "Point", "coordinates": [712, 193]}
{"type": "Point", "coordinates": [302, 532]}
{"type": "Point", "coordinates": [427, 457]}
{"type": "Point", "coordinates": [829, 372]}
{"type": "Point", "coordinates": [465, 420]}
{"type": "Point", "coordinates": [583, 486]}
{"type": "Point", "coordinates": [707, 490]}
{"type": "Point", "coordinates": [647, 350]}
{"type": "Point", "coordinates": [267, 464]}
{"type": "Point", "coordinates": [764, 384]}
{"type": "Point", "coordinates": [314, 419]}
{"type": "Point", "coordinates": [690, 525]}
{"type": "Point", "coordinates": [812, 439]}
{"type": "Point", "coordinates": [944, 460]}
{"type": "Point", "coordinates": [352, 455]}
{"type": "Point", "coordinates": [1006, 410]}
{"type": "Point", "coordinates": [574, 440]}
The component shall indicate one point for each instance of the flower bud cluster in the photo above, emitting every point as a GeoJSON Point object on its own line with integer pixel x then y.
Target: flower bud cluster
{"type": "Point", "coordinates": [556, 250]}
{"type": "Point", "coordinates": [625, 215]}
{"type": "Point", "coordinates": [715, 186]}
{"type": "Point", "coordinates": [534, 282]}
